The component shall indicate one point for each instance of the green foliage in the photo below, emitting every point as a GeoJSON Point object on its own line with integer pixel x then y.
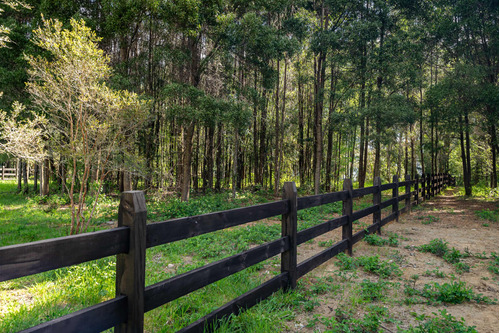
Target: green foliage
{"type": "Point", "coordinates": [373, 291]}
{"type": "Point", "coordinates": [456, 292]}
{"type": "Point", "coordinates": [382, 268]}
{"type": "Point", "coordinates": [485, 214]}
{"type": "Point", "coordinates": [436, 273]}
{"type": "Point", "coordinates": [345, 262]}
{"type": "Point", "coordinates": [345, 321]}
{"type": "Point", "coordinates": [373, 264]}
{"type": "Point", "coordinates": [493, 264]}
{"type": "Point", "coordinates": [436, 246]}
{"type": "Point", "coordinates": [452, 256]}
{"type": "Point", "coordinates": [376, 240]}
{"type": "Point", "coordinates": [428, 219]}
{"type": "Point", "coordinates": [442, 322]}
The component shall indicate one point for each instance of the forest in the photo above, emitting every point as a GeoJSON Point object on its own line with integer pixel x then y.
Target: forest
{"type": "Point", "coordinates": [193, 96]}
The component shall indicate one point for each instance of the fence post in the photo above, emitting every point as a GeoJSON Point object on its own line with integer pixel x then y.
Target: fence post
{"type": "Point", "coordinates": [347, 210]}
{"type": "Point", "coordinates": [433, 184]}
{"type": "Point", "coordinates": [131, 266]}
{"type": "Point", "coordinates": [377, 199]}
{"type": "Point", "coordinates": [415, 188]}
{"type": "Point", "coordinates": [428, 195]}
{"type": "Point", "coordinates": [395, 194]}
{"type": "Point", "coordinates": [440, 179]}
{"type": "Point", "coordinates": [289, 229]}
{"type": "Point", "coordinates": [3, 172]}
{"type": "Point", "coordinates": [407, 193]}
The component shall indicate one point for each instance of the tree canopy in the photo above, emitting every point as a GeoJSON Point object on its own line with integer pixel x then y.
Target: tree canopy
{"type": "Point", "coordinates": [253, 93]}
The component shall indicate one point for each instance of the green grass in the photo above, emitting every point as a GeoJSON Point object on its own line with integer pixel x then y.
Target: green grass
{"type": "Point", "coordinates": [31, 300]}
{"type": "Point", "coordinates": [371, 264]}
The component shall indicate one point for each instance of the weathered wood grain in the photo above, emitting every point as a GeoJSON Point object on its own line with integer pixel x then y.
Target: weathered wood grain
{"type": "Point", "coordinates": [313, 232]}
{"type": "Point", "coordinates": [180, 285]}
{"type": "Point", "coordinates": [93, 319]}
{"type": "Point", "coordinates": [131, 266]}
{"type": "Point", "coordinates": [347, 211]}
{"type": "Point", "coordinates": [364, 212]}
{"type": "Point", "coordinates": [173, 230]}
{"type": "Point", "coordinates": [377, 198]}
{"type": "Point", "coordinates": [309, 264]}
{"type": "Point", "coordinates": [36, 257]}
{"type": "Point", "coordinates": [320, 199]}
{"type": "Point", "coordinates": [289, 230]}
{"type": "Point", "coordinates": [359, 192]}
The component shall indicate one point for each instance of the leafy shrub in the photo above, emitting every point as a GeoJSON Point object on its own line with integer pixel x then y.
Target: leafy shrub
{"type": "Point", "coordinates": [436, 246]}
{"type": "Point", "coordinates": [345, 262]}
{"type": "Point", "coordinates": [376, 240]}
{"type": "Point", "coordinates": [455, 292]}
{"type": "Point", "coordinates": [382, 268]}
{"type": "Point", "coordinates": [327, 243]}
{"type": "Point", "coordinates": [444, 322]}
{"type": "Point", "coordinates": [485, 214]}
{"type": "Point", "coordinates": [428, 219]}
{"type": "Point", "coordinates": [373, 291]}
{"type": "Point", "coordinates": [462, 267]}
{"type": "Point", "coordinates": [493, 265]}
{"type": "Point", "coordinates": [436, 273]}
{"type": "Point", "coordinates": [452, 256]}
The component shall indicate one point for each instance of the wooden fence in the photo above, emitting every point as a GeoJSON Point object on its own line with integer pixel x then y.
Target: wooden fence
{"type": "Point", "coordinates": [133, 236]}
{"type": "Point", "coordinates": [8, 172]}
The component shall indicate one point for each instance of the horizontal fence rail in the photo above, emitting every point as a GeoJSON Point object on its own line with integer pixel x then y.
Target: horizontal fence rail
{"type": "Point", "coordinates": [130, 240]}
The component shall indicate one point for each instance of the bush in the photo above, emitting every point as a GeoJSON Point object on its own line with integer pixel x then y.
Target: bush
{"type": "Point", "coordinates": [444, 323]}
{"type": "Point", "coordinates": [485, 214]}
{"type": "Point", "coordinates": [376, 240]}
{"type": "Point", "coordinates": [436, 246]}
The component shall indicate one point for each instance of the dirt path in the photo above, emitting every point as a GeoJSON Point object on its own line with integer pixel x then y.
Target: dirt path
{"type": "Point", "coordinates": [445, 217]}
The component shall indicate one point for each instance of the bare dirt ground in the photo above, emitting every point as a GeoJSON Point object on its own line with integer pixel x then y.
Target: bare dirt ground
{"type": "Point", "coordinates": [446, 217]}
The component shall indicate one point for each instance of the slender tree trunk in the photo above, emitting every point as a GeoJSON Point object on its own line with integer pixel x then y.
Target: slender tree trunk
{"type": "Point", "coordinates": [277, 134]}
{"type": "Point", "coordinates": [19, 169]}
{"type": "Point", "coordinates": [362, 96]}
{"type": "Point", "coordinates": [494, 150]}
{"type": "Point", "coordinates": [421, 123]}
{"type": "Point", "coordinates": [329, 149]}
{"type": "Point", "coordinates": [186, 160]}
{"type": "Point", "coordinates": [35, 179]}
{"type": "Point", "coordinates": [25, 177]}
{"type": "Point", "coordinates": [46, 177]}
{"type": "Point", "coordinates": [218, 160]}
{"type": "Point", "coordinates": [196, 162]}
{"type": "Point", "coordinates": [467, 184]}
{"type": "Point", "coordinates": [465, 164]}
{"type": "Point", "coordinates": [262, 139]}
{"type": "Point", "coordinates": [301, 128]}
{"type": "Point", "coordinates": [256, 103]}
{"type": "Point", "coordinates": [235, 162]}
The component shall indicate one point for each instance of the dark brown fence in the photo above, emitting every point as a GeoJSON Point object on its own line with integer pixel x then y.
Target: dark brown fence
{"type": "Point", "coordinates": [133, 236]}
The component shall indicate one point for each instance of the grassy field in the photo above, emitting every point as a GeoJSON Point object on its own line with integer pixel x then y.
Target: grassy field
{"type": "Point", "coordinates": [28, 301]}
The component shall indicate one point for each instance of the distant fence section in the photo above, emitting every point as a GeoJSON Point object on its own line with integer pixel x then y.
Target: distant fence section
{"type": "Point", "coordinates": [8, 172]}
{"type": "Point", "coordinates": [130, 240]}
